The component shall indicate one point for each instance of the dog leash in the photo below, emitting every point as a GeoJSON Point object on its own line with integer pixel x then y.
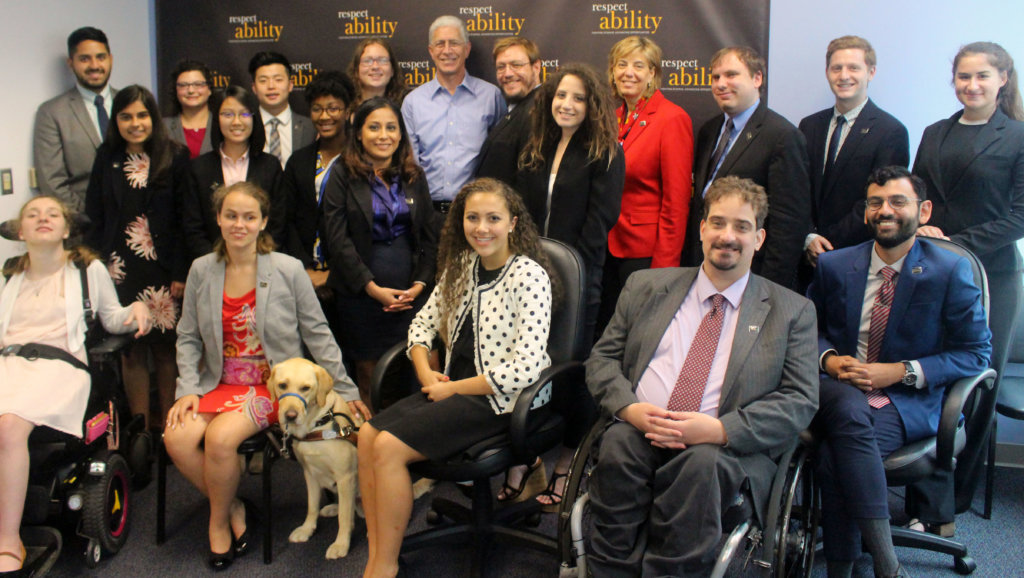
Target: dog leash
{"type": "Point", "coordinates": [348, 433]}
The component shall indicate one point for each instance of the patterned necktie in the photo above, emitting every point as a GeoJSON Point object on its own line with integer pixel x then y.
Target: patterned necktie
{"type": "Point", "coordinates": [693, 379]}
{"type": "Point", "coordinates": [723, 142]}
{"type": "Point", "coordinates": [833, 145]}
{"type": "Point", "coordinates": [274, 139]}
{"type": "Point", "coordinates": [876, 330]}
{"type": "Point", "coordinates": [101, 116]}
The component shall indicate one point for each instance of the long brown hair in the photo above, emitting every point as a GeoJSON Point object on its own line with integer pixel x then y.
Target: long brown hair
{"type": "Point", "coordinates": [598, 130]}
{"type": "Point", "coordinates": [1000, 59]}
{"type": "Point", "coordinates": [264, 242]}
{"type": "Point", "coordinates": [80, 255]}
{"type": "Point", "coordinates": [358, 163]}
{"type": "Point", "coordinates": [158, 146]}
{"type": "Point", "coordinates": [455, 254]}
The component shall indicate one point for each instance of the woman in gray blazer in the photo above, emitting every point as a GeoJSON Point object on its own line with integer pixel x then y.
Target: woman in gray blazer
{"type": "Point", "coordinates": [245, 309]}
{"type": "Point", "coordinates": [190, 118]}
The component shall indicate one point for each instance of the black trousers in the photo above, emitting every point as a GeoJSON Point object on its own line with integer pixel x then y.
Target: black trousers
{"type": "Point", "coordinates": [658, 512]}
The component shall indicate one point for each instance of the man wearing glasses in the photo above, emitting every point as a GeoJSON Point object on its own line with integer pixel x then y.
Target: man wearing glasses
{"type": "Point", "coordinates": [448, 117]}
{"type": "Point", "coordinates": [517, 63]}
{"type": "Point", "coordinates": [898, 320]}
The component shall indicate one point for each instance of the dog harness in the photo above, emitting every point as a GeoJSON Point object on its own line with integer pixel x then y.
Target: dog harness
{"type": "Point", "coordinates": [319, 433]}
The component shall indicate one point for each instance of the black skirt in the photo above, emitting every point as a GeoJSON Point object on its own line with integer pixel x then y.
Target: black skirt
{"type": "Point", "coordinates": [440, 430]}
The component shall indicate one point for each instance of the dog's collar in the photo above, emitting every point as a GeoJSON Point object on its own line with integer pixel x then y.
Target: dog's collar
{"type": "Point", "coordinates": [305, 405]}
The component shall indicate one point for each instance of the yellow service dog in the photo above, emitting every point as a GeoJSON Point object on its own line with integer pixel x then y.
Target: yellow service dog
{"type": "Point", "coordinates": [320, 426]}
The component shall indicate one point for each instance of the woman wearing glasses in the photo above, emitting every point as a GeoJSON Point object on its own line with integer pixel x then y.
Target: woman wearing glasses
{"type": "Point", "coordinates": [374, 68]}
{"type": "Point", "coordinates": [238, 138]}
{"type": "Point", "coordinates": [191, 121]}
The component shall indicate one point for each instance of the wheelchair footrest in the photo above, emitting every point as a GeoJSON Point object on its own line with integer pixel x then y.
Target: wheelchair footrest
{"type": "Point", "coordinates": [42, 548]}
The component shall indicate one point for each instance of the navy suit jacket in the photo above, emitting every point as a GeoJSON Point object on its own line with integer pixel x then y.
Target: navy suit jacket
{"type": "Point", "coordinates": [876, 140]}
{"type": "Point", "coordinates": [499, 155]}
{"type": "Point", "coordinates": [936, 318]}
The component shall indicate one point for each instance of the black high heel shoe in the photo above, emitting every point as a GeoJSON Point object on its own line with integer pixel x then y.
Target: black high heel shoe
{"type": "Point", "coordinates": [241, 543]}
{"type": "Point", "coordinates": [534, 481]}
{"type": "Point", "coordinates": [218, 562]}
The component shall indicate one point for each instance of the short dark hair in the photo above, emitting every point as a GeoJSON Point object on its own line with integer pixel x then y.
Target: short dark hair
{"type": "Point", "coordinates": [266, 58]}
{"type": "Point", "coordinates": [86, 33]}
{"type": "Point", "coordinates": [186, 65]}
{"type": "Point", "coordinates": [747, 190]}
{"type": "Point", "coordinates": [331, 83]}
{"type": "Point", "coordinates": [880, 176]}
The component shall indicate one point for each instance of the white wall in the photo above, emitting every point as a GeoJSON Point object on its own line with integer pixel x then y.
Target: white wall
{"type": "Point", "coordinates": [35, 43]}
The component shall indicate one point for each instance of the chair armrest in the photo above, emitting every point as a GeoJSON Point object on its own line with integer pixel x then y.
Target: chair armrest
{"type": "Point", "coordinates": [109, 345]}
{"type": "Point", "coordinates": [391, 357]}
{"type": "Point", "coordinates": [519, 428]}
{"type": "Point", "coordinates": [952, 408]}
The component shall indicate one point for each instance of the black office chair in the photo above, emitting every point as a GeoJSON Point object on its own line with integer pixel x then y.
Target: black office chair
{"type": "Point", "coordinates": [1009, 403]}
{"type": "Point", "coordinates": [531, 432]}
{"type": "Point", "coordinates": [913, 462]}
{"type": "Point", "coordinates": [266, 443]}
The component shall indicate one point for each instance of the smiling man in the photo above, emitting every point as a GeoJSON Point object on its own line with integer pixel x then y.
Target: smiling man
{"type": "Point", "coordinates": [448, 118]}
{"type": "Point", "coordinates": [286, 130]}
{"type": "Point", "coordinates": [69, 127]}
{"type": "Point", "coordinates": [845, 143]}
{"type": "Point", "coordinates": [517, 64]}
{"type": "Point", "coordinates": [710, 372]}
{"type": "Point", "coordinates": [751, 141]}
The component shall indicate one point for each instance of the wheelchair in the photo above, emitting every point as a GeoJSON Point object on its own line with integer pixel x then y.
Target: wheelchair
{"type": "Point", "coordinates": [83, 486]}
{"type": "Point", "coordinates": [783, 545]}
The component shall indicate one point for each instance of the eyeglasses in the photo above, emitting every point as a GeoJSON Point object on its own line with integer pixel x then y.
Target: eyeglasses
{"type": "Point", "coordinates": [332, 110]}
{"type": "Point", "coordinates": [897, 202]}
{"type": "Point", "coordinates": [379, 61]}
{"type": "Point", "coordinates": [230, 115]}
{"type": "Point", "coordinates": [439, 44]}
{"type": "Point", "coordinates": [513, 66]}
{"type": "Point", "coordinates": [186, 85]}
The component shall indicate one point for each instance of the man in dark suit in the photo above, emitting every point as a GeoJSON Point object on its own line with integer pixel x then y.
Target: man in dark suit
{"type": "Point", "coordinates": [287, 131]}
{"type": "Point", "coordinates": [71, 126]}
{"type": "Point", "coordinates": [754, 142]}
{"type": "Point", "coordinates": [517, 63]}
{"type": "Point", "coordinates": [898, 320]}
{"type": "Point", "coordinates": [845, 143]}
{"type": "Point", "coordinates": [710, 372]}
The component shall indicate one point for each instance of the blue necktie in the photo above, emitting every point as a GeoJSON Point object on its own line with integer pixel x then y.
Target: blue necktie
{"type": "Point", "coordinates": [101, 116]}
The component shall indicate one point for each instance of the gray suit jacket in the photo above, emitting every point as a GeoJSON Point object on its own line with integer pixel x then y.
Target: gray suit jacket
{"type": "Point", "coordinates": [770, 392]}
{"type": "Point", "coordinates": [64, 144]}
{"type": "Point", "coordinates": [288, 315]}
{"type": "Point", "coordinates": [177, 132]}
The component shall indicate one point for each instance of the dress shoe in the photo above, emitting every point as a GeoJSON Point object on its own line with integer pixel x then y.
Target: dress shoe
{"type": "Point", "coordinates": [218, 562]}
{"type": "Point", "coordinates": [942, 530]}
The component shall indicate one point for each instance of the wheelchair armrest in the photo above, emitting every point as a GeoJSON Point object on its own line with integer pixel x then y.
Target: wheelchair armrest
{"type": "Point", "coordinates": [109, 346]}
{"type": "Point", "coordinates": [952, 408]}
{"type": "Point", "coordinates": [394, 355]}
{"type": "Point", "coordinates": [519, 428]}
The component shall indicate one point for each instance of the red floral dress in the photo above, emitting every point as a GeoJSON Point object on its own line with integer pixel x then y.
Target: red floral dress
{"type": "Point", "coordinates": [243, 386]}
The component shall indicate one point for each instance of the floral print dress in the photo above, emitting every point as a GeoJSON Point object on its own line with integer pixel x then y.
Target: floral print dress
{"type": "Point", "coordinates": [133, 261]}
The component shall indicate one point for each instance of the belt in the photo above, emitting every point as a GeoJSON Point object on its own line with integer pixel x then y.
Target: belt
{"type": "Point", "coordinates": [33, 351]}
{"type": "Point", "coordinates": [442, 206]}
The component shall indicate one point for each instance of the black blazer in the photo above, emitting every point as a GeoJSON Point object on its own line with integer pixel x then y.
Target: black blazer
{"type": "Point", "coordinates": [585, 200]}
{"type": "Point", "coordinates": [771, 152]}
{"type": "Point", "coordinates": [984, 210]}
{"type": "Point", "coordinates": [303, 218]}
{"type": "Point", "coordinates": [877, 140]}
{"type": "Point", "coordinates": [163, 207]}
{"type": "Point", "coordinates": [200, 221]}
{"type": "Point", "coordinates": [499, 155]}
{"type": "Point", "coordinates": [348, 213]}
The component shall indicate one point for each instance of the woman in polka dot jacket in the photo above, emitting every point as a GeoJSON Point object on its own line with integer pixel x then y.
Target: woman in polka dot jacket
{"type": "Point", "coordinates": [492, 310]}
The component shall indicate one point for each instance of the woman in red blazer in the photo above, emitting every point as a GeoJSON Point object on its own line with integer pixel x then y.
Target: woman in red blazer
{"type": "Point", "coordinates": [657, 138]}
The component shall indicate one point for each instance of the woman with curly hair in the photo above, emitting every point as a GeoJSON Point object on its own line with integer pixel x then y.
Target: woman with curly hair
{"type": "Point", "coordinates": [191, 122]}
{"type": "Point", "coordinates": [491, 266]}
{"type": "Point", "coordinates": [139, 180]}
{"type": "Point", "coordinates": [374, 69]}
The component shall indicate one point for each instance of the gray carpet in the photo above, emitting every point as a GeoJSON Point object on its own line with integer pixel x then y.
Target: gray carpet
{"type": "Point", "coordinates": [994, 544]}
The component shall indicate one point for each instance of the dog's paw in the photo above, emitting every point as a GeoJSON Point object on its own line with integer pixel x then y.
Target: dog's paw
{"type": "Point", "coordinates": [302, 533]}
{"type": "Point", "coordinates": [422, 486]}
{"type": "Point", "coordinates": [329, 511]}
{"type": "Point", "coordinates": [337, 550]}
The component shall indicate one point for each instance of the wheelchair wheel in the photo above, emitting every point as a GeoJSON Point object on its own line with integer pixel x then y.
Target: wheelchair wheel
{"type": "Point", "coordinates": [798, 520]}
{"type": "Point", "coordinates": [576, 485]}
{"type": "Point", "coordinates": [107, 506]}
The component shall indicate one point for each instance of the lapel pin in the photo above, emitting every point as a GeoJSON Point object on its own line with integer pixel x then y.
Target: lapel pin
{"type": "Point", "coordinates": [752, 328]}
{"type": "Point", "coordinates": [916, 271]}
{"type": "Point", "coordinates": [117, 165]}
{"type": "Point", "coordinates": [409, 200]}
{"type": "Point", "coordinates": [643, 123]}
{"type": "Point", "coordinates": [263, 284]}
{"type": "Point", "coordinates": [865, 130]}
{"type": "Point", "coordinates": [749, 136]}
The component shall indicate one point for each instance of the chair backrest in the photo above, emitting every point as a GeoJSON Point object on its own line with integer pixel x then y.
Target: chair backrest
{"type": "Point", "coordinates": [980, 279]}
{"type": "Point", "coordinates": [565, 341]}
{"type": "Point", "coordinates": [1016, 353]}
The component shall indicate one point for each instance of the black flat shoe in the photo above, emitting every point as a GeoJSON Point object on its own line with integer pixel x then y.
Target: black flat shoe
{"type": "Point", "coordinates": [219, 562]}
{"type": "Point", "coordinates": [241, 545]}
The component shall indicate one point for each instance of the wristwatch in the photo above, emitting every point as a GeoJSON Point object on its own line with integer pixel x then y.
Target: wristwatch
{"type": "Point", "coordinates": [910, 377]}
